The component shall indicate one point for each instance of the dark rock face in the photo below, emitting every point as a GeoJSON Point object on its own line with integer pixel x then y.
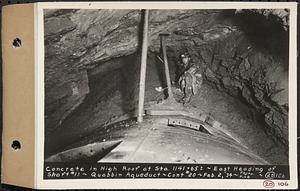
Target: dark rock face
{"type": "Point", "coordinates": [229, 53]}
{"type": "Point", "coordinates": [257, 79]}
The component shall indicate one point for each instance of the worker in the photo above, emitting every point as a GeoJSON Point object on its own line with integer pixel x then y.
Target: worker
{"type": "Point", "coordinates": [191, 79]}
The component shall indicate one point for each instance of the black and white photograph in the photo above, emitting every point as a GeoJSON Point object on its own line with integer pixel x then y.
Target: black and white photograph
{"type": "Point", "coordinates": [167, 86]}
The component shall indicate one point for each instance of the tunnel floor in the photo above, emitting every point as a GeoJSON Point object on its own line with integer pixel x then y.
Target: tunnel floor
{"type": "Point", "coordinates": [109, 101]}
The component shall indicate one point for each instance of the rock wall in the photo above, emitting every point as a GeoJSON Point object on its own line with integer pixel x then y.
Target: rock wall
{"type": "Point", "coordinates": [235, 57]}
{"type": "Point", "coordinates": [256, 78]}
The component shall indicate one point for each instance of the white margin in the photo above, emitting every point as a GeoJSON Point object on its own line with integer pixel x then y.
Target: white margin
{"type": "Point", "coordinates": [36, 61]}
{"type": "Point", "coordinates": [162, 183]}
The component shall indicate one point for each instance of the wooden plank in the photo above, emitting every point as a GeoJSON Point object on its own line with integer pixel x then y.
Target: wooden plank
{"type": "Point", "coordinates": [184, 123]}
{"type": "Point", "coordinates": [143, 68]}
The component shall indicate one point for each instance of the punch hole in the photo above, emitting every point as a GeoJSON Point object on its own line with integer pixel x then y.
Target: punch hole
{"type": "Point", "coordinates": [17, 43]}
{"type": "Point", "coordinates": [16, 145]}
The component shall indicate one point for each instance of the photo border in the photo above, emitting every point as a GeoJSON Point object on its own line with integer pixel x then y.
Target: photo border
{"type": "Point", "coordinates": [161, 183]}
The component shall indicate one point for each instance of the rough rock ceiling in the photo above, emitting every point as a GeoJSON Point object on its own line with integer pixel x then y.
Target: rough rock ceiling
{"type": "Point", "coordinates": [78, 40]}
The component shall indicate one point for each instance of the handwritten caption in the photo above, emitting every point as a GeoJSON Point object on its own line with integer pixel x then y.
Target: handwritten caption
{"type": "Point", "coordinates": [141, 170]}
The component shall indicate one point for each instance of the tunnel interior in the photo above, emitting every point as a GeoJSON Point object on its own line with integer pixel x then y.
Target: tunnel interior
{"type": "Point", "coordinates": [92, 72]}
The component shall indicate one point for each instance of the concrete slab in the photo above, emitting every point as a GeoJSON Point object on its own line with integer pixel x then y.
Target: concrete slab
{"type": "Point", "coordinates": [158, 142]}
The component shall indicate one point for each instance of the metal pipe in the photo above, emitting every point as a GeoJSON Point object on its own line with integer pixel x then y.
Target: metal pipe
{"type": "Point", "coordinates": [143, 68]}
{"type": "Point", "coordinates": [167, 73]}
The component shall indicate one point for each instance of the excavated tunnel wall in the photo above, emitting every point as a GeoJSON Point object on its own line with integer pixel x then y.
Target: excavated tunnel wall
{"type": "Point", "coordinates": [238, 55]}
